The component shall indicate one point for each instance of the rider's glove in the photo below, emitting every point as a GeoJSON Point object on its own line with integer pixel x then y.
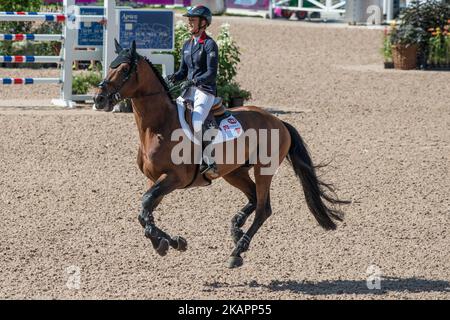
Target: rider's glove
{"type": "Point", "coordinates": [187, 84]}
{"type": "Point", "coordinates": [170, 79]}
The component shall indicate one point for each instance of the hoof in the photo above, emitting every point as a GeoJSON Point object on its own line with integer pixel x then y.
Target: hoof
{"type": "Point", "coordinates": [179, 243]}
{"type": "Point", "coordinates": [237, 235]}
{"type": "Point", "coordinates": [163, 247]}
{"type": "Point", "coordinates": [235, 262]}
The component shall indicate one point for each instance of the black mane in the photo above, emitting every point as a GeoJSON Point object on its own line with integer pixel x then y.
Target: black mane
{"type": "Point", "coordinates": [160, 78]}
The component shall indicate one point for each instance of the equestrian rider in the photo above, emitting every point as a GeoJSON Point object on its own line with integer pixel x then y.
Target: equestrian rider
{"type": "Point", "coordinates": [198, 69]}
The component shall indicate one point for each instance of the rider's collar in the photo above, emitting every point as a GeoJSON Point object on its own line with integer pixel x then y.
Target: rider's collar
{"type": "Point", "coordinates": [202, 37]}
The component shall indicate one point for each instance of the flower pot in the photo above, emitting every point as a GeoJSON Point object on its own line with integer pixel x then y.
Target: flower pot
{"type": "Point", "coordinates": [236, 102]}
{"type": "Point", "coordinates": [404, 57]}
{"type": "Point", "coordinates": [388, 65]}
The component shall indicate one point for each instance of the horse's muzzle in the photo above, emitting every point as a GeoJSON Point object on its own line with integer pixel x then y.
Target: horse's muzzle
{"type": "Point", "coordinates": [100, 101]}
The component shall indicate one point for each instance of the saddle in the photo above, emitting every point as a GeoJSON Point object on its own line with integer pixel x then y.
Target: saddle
{"type": "Point", "coordinates": [218, 111]}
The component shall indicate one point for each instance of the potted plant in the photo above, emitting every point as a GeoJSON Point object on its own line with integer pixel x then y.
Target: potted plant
{"type": "Point", "coordinates": [405, 41]}
{"type": "Point", "coordinates": [386, 50]}
{"type": "Point", "coordinates": [426, 15]}
{"type": "Point", "coordinates": [229, 53]}
{"type": "Point", "coordinates": [233, 95]}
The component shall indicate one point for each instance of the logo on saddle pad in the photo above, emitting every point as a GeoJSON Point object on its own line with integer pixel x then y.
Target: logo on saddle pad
{"type": "Point", "coordinates": [230, 128]}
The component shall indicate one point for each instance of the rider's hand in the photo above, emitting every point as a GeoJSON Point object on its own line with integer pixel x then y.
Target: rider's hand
{"type": "Point", "coordinates": [187, 84]}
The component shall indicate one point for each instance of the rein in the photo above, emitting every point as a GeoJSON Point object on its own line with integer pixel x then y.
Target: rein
{"type": "Point", "coordinates": [155, 93]}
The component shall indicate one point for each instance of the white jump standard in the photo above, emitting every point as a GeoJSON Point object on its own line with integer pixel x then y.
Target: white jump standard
{"type": "Point", "coordinates": [31, 37]}
{"type": "Point", "coordinates": [7, 81]}
{"type": "Point", "coordinates": [30, 59]}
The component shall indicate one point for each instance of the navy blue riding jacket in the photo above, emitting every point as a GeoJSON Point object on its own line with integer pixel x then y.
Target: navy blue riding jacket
{"type": "Point", "coordinates": [199, 63]}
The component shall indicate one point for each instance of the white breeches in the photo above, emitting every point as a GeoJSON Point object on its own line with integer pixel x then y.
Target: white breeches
{"type": "Point", "coordinates": [203, 103]}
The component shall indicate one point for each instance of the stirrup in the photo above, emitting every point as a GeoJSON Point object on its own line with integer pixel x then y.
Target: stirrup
{"type": "Point", "coordinates": [204, 168]}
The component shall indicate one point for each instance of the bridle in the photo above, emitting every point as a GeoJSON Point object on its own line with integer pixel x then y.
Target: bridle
{"type": "Point", "coordinates": [115, 95]}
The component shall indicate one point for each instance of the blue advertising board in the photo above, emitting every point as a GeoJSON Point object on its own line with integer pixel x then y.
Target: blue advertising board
{"type": "Point", "coordinates": [248, 4]}
{"type": "Point", "coordinates": [90, 34]}
{"type": "Point", "coordinates": [152, 29]}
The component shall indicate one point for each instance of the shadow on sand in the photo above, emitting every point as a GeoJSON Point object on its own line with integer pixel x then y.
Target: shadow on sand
{"type": "Point", "coordinates": [280, 111]}
{"type": "Point", "coordinates": [337, 287]}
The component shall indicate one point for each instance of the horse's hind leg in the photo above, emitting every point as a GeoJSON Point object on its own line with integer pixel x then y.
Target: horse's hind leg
{"type": "Point", "coordinates": [241, 180]}
{"type": "Point", "coordinates": [160, 239]}
{"type": "Point", "coordinates": [263, 211]}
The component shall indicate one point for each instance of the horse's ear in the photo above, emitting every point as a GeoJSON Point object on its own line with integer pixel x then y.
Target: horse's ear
{"type": "Point", "coordinates": [118, 46]}
{"type": "Point", "coordinates": [133, 48]}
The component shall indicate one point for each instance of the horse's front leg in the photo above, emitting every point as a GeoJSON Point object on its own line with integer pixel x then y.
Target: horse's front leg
{"type": "Point", "coordinates": [143, 215]}
{"type": "Point", "coordinates": [160, 239]}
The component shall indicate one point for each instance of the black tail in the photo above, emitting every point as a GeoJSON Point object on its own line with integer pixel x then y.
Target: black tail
{"type": "Point", "coordinates": [313, 187]}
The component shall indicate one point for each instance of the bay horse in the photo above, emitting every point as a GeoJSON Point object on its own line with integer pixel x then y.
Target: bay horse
{"type": "Point", "coordinates": [135, 77]}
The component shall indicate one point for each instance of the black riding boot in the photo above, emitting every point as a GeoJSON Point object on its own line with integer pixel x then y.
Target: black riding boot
{"type": "Point", "coordinates": [208, 163]}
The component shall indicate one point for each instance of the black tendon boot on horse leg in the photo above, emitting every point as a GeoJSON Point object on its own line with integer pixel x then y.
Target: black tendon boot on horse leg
{"type": "Point", "coordinates": [263, 211]}
{"type": "Point", "coordinates": [210, 130]}
{"type": "Point", "coordinates": [160, 239]}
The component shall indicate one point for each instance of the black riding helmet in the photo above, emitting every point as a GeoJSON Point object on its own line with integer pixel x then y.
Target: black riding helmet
{"type": "Point", "coordinates": [200, 11]}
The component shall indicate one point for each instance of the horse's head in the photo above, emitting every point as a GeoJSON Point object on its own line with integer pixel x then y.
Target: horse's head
{"type": "Point", "coordinates": [121, 80]}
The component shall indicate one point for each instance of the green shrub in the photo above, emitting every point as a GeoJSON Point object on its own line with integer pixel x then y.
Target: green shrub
{"type": "Point", "coordinates": [16, 27]}
{"type": "Point", "coordinates": [20, 5]}
{"type": "Point", "coordinates": [232, 90]}
{"type": "Point", "coordinates": [439, 47]}
{"type": "Point", "coordinates": [182, 34]}
{"type": "Point", "coordinates": [407, 35]}
{"type": "Point", "coordinates": [426, 15]}
{"type": "Point", "coordinates": [85, 81]}
{"type": "Point", "coordinates": [229, 53]}
{"type": "Point", "coordinates": [386, 50]}
{"type": "Point", "coordinates": [228, 56]}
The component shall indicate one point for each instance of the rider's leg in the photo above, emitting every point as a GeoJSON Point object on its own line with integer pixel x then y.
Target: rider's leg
{"type": "Point", "coordinates": [203, 103]}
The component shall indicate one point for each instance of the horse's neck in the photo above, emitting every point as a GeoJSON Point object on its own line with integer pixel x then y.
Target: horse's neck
{"type": "Point", "coordinates": [155, 116]}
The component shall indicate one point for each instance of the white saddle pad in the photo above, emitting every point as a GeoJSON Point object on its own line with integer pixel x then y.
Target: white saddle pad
{"type": "Point", "coordinates": [230, 127]}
